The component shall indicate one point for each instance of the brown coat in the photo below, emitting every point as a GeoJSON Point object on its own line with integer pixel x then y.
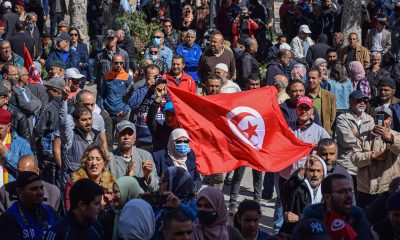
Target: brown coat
{"type": "Point", "coordinates": [328, 110]}
{"type": "Point", "coordinates": [362, 55]}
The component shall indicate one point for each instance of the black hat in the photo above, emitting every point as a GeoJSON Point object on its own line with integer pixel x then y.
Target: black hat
{"type": "Point", "coordinates": [59, 64]}
{"type": "Point", "coordinates": [357, 94]}
{"type": "Point", "coordinates": [310, 229]}
{"type": "Point", "coordinates": [322, 38]}
{"type": "Point", "coordinates": [25, 178]}
{"type": "Point", "coordinates": [387, 82]}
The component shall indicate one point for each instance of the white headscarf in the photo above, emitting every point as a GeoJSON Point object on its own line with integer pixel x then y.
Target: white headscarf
{"type": "Point", "coordinates": [318, 197]}
{"type": "Point", "coordinates": [137, 220]}
{"type": "Point", "coordinates": [179, 159]}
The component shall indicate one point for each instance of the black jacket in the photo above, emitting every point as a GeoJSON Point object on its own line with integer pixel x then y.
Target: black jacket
{"type": "Point", "coordinates": [48, 118]}
{"type": "Point", "coordinates": [10, 19]}
{"type": "Point", "coordinates": [159, 132]}
{"type": "Point", "coordinates": [246, 64]}
{"type": "Point", "coordinates": [17, 42]}
{"type": "Point", "coordinates": [128, 46]}
{"type": "Point", "coordinates": [39, 91]}
{"type": "Point", "coordinates": [172, 41]}
{"type": "Point", "coordinates": [52, 5]}
{"type": "Point", "coordinates": [35, 34]}
{"type": "Point", "coordinates": [316, 51]}
{"type": "Point", "coordinates": [19, 122]}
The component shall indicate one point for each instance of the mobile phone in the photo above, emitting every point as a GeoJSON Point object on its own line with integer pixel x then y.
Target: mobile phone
{"type": "Point", "coordinates": [379, 119]}
{"type": "Point", "coordinates": [155, 199]}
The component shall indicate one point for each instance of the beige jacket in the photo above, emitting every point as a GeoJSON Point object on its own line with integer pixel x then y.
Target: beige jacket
{"type": "Point", "coordinates": [373, 177]}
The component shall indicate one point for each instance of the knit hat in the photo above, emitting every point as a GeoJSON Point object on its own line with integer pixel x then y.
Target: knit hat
{"type": "Point", "coordinates": [393, 203]}
{"type": "Point", "coordinates": [387, 82]}
{"type": "Point", "coordinates": [25, 178]}
{"type": "Point", "coordinates": [59, 64]}
{"type": "Point", "coordinates": [5, 117]}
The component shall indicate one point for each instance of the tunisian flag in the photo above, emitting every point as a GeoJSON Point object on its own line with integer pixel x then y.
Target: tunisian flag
{"type": "Point", "coordinates": [34, 76]}
{"type": "Point", "coordinates": [237, 129]}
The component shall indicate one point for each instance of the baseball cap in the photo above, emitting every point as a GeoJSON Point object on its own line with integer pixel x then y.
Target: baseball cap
{"type": "Point", "coordinates": [121, 126]}
{"type": "Point", "coordinates": [3, 90]}
{"type": "Point", "coordinates": [25, 178]}
{"type": "Point", "coordinates": [169, 107]}
{"type": "Point", "coordinates": [7, 4]}
{"type": "Point", "coordinates": [222, 66]}
{"type": "Point", "coordinates": [55, 82]}
{"type": "Point", "coordinates": [63, 36]}
{"type": "Point", "coordinates": [310, 229]}
{"type": "Point", "coordinates": [73, 73]}
{"type": "Point", "coordinates": [357, 94]}
{"type": "Point", "coordinates": [62, 23]}
{"type": "Point", "coordinates": [304, 29]}
{"type": "Point", "coordinates": [387, 82]}
{"type": "Point", "coordinates": [383, 109]}
{"type": "Point", "coordinates": [305, 101]}
{"type": "Point", "coordinates": [110, 33]}
{"type": "Point", "coordinates": [59, 64]}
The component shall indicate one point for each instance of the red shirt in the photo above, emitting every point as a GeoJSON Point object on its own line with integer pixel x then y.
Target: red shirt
{"type": "Point", "coordinates": [186, 82]}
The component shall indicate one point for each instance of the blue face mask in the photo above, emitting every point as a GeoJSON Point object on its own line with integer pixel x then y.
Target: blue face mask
{"type": "Point", "coordinates": [30, 26]}
{"type": "Point", "coordinates": [156, 41]}
{"type": "Point", "coordinates": [182, 148]}
{"type": "Point", "coordinates": [153, 57]}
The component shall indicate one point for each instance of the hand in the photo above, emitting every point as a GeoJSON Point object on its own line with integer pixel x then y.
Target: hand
{"type": "Point", "coordinates": [375, 68]}
{"type": "Point", "coordinates": [131, 168]}
{"type": "Point", "coordinates": [291, 217]}
{"type": "Point", "coordinates": [80, 64]}
{"type": "Point", "coordinates": [161, 91]}
{"type": "Point", "coordinates": [65, 93]}
{"type": "Point", "coordinates": [42, 62]}
{"type": "Point", "coordinates": [105, 111]}
{"type": "Point", "coordinates": [121, 114]}
{"type": "Point", "coordinates": [45, 17]}
{"type": "Point", "coordinates": [382, 131]}
{"type": "Point", "coordinates": [3, 150]}
{"type": "Point", "coordinates": [172, 200]}
{"type": "Point", "coordinates": [147, 166]}
{"type": "Point", "coordinates": [378, 155]}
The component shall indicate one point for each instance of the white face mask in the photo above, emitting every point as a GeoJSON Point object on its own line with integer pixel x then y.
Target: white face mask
{"type": "Point", "coordinates": [56, 75]}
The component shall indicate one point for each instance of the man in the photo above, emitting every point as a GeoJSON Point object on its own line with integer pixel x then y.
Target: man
{"type": "Point", "coordinates": [213, 85]}
{"type": "Point", "coordinates": [337, 209]}
{"type": "Point", "coordinates": [378, 38]}
{"type": "Point", "coordinates": [354, 52]}
{"type": "Point", "coordinates": [63, 53]}
{"type": "Point", "coordinates": [171, 37]}
{"type": "Point", "coordinates": [177, 226]}
{"type": "Point", "coordinates": [389, 227]}
{"type": "Point", "coordinates": [318, 50]}
{"type": "Point", "coordinates": [280, 66]}
{"type": "Point", "coordinates": [165, 53]}
{"type": "Point", "coordinates": [34, 8]}
{"type": "Point", "coordinates": [229, 86]}
{"type": "Point", "coordinates": [331, 57]}
{"type": "Point", "coordinates": [10, 19]}
{"type": "Point", "coordinates": [85, 198]}
{"type": "Point", "coordinates": [178, 78]}
{"type": "Point", "coordinates": [351, 127]}
{"type": "Point", "coordinates": [7, 56]}
{"type": "Point", "coordinates": [58, 9]}
{"type": "Point", "coordinates": [280, 82]}
{"type": "Point", "coordinates": [299, 18]}
{"type": "Point", "coordinates": [27, 218]}
{"type": "Point", "coordinates": [115, 84]}
{"type": "Point", "coordinates": [73, 78]}
{"type": "Point", "coordinates": [246, 63]}
{"type": "Point", "coordinates": [21, 38]}
{"type": "Point", "coordinates": [8, 192]}
{"type": "Point", "coordinates": [302, 189]}
{"type": "Point", "coordinates": [154, 56]}
{"type": "Point", "coordinates": [126, 43]}
{"type": "Point", "coordinates": [127, 160]}
{"type": "Point", "coordinates": [62, 27]}
{"type": "Point", "coordinates": [376, 158]}
{"type": "Point", "coordinates": [318, 21]}
{"type": "Point", "coordinates": [324, 101]}
{"type": "Point", "coordinates": [274, 49]}
{"type": "Point", "coordinates": [253, 82]}
{"type": "Point", "coordinates": [375, 73]}
{"type": "Point", "coordinates": [338, 40]}
{"type": "Point", "coordinates": [300, 44]}
{"type": "Point", "coordinates": [57, 69]}
{"type": "Point", "coordinates": [214, 55]}
{"type": "Point", "coordinates": [191, 53]}
{"type": "Point", "coordinates": [332, 13]}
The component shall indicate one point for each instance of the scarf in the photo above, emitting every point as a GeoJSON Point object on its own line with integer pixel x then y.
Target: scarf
{"type": "Point", "coordinates": [178, 159]}
{"type": "Point", "coordinates": [356, 71]}
{"type": "Point", "coordinates": [8, 145]}
{"type": "Point", "coordinates": [180, 183]}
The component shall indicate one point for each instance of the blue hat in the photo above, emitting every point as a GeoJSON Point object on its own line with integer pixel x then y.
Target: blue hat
{"type": "Point", "coordinates": [357, 95]}
{"type": "Point", "coordinates": [169, 107]}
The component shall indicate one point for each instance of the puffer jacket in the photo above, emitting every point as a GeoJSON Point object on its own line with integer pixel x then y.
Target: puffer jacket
{"type": "Point", "coordinates": [373, 177]}
{"type": "Point", "coordinates": [348, 134]}
{"type": "Point", "coordinates": [114, 87]}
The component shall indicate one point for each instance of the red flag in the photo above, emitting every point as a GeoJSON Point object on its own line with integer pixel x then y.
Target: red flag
{"type": "Point", "coordinates": [34, 76]}
{"type": "Point", "coordinates": [338, 228]}
{"type": "Point", "coordinates": [240, 129]}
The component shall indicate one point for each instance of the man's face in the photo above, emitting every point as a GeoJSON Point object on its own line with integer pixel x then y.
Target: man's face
{"type": "Point", "coordinates": [2, 30]}
{"type": "Point", "coordinates": [12, 74]}
{"type": "Point", "coordinates": [5, 51]}
{"type": "Point", "coordinates": [358, 105]}
{"type": "Point", "coordinates": [331, 57]}
{"type": "Point", "coordinates": [329, 154]}
{"type": "Point", "coordinates": [190, 38]}
{"type": "Point", "coordinates": [4, 129]}
{"type": "Point", "coordinates": [19, 9]}
{"type": "Point", "coordinates": [254, 47]}
{"type": "Point", "coordinates": [172, 120]}
{"type": "Point", "coordinates": [385, 92]}
{"type": "Point", "coordinates": [217, 44]}
{"type": "Point", "coordinates": [327, 3]}
{"type": "Point", "coordinates": [118, 63]}
{"type": "Point", "coordinates": [394, 219]}
{"type": "Point", "coordinates": [88, 101]}
{"type": "Point", "coordinates": [63, 29]}
{"type": "Point", "coordinates": [154, 51]}
{"type": "Point", "coordinates": [3, 101]}
{"type": "Point", "coordinates": [282, 40]}
{"type": "Point", "coordinates": [63, 45]}
{"type": "Point", "coordinates": [91, 210]}
{"type": "Point", "coordinates": [160, 36]}
{"type": "Point", "coordinates": [84, 123]}
{"type": "Point", "coordinates": [46, 41]}
{"type": "Point", "coordinates": [32, 193]}
{"type": "Point", "coordinates": [353, 40]}
{"type": "Point", "coordinates": [151, 75]}
{"type": "Point", "coordinates": [303, 35]}
{"type": "Point", "coordinates": [177, 66]}
{"type": "Point", "coordinates": [253, 84]}
{"type": "Point", "coordinates": [168, 28]}
{"type": "Point", "coordinates": [337, 40]}
{"type": "Point", "coordinates": [120, 36]}
{"type": "Point", "coordinates": [56, 70]}
{"type": "Point", "coordinates": [126, 138]}
{"type": "Point", "coordinates": [379, 27]}
{"type": "Point", "coordinates": [340, 199]}
{"type": "Point", "coordinates": [376, 60]}
{"type": "Point", "coordinates": [111, 42]}
{"type": "Point", "coordinates": [315, 174]}
{"type": "Point", "coordinates": [286, 59]}
{"type": "Point", "coordinates": [304, 113]}
{"type": "Point", "coordinates": [221, 73]}
{"type": "Point", "coordinates": [213, 86]}
{"type": "Point", "coordinates": [52, 92]}
{"type": "Point", "coordinates": [249, 222]}
{"type": "Point", "coordinates": [178, 231]}
{"type": "Point", "coordinates": [296, 91]}
{"type": "Point", "coordinates": [314, 80]}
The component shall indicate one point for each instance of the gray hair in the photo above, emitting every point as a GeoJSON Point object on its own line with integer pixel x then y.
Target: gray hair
{"type": "Point", "coordinates": [190, 31]}
{"type": "Point", "coordinates": [325, 142]}
{"type": "Point", "coordinates": [159, 31]}
{"type": "Point", "coordinates": [30, 15]}
{"type": "Point", "coordinates": [376, 54]}
{"type": "Point", "coordinates": [6, 83]}
{"type": "Point", "coordinates": [22, 71]}
{"type": "Point", "coordinates": [249, 41]}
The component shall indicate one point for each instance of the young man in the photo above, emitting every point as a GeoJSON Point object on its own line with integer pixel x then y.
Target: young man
{"type": "Point", "coordinates": [177, 226]}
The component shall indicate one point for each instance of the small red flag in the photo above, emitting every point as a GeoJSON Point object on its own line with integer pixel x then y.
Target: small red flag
{"type": "Point", "coordinates": [34, 76]}
{"type": "Point", "coordinates": [338, 228]}
{"type": "Point", "coordinates": [238, 129]}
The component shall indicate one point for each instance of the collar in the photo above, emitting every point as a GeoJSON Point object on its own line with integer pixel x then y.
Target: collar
{"type": "Point", "coordinates": [318, 95]}
{"type": "Point", "coordinates": [304, 127]}
{"type": "Point", "coordinates": [218, 55]}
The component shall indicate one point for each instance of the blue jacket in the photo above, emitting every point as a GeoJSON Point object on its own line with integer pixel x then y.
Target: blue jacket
{"type": "Point", "coordinates": [192, 57]}
{"type": "Point", "coordinates": [162, 161]}
{"type": "Point", "coordinates": [113, 90]}
{"type": "Point", "coordinates": [72, 60]}
{"type": "Point", "coordinates": [83, 52]}
{"type": "Point", "coordinates": [18, 148]}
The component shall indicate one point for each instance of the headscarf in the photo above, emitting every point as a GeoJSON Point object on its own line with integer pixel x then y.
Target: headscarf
{"type": "Point", "coordinates": [318, 197]}
{"type": "Point", "coordinates": [129, 188]}
{"type": "Point", "coordinates": [137, 220]}
{"type": "Point", "coordinates": [299, 70]}
{"type": "Point", "coordinates": [218, 229]}
{"type": "Point", "coordinates": [180, 183]}
{"type": "Point", "coordinates": [318, 62]}
{"type": "Point", "coordinates": [178, 159]}
{"type": "Point", "coordinates": [356, 71]}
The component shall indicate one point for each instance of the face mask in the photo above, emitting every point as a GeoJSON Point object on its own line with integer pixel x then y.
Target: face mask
{"type": "Point", "coordinates": [182, 148]}
{"type": "Point", "coordinates": [157, 5]}
{"type": "Point", "coordinates": [207, 217]}
{"type": "Point", "coordinates": [236, 50]}
{"type": "Point", "coordinates": [156, 41]}
{"type": "Point", "coordinates": [31, 26]}
{"type": "Point", "coordinates": [153, 57]}
{"type": "Point", "coordinates": [56, 75]}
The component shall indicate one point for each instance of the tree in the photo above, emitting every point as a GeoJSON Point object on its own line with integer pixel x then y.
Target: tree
{"type": "Point", "coordinates": [351, 19]}
{"type": "Point", "coordinates": [78, 12]}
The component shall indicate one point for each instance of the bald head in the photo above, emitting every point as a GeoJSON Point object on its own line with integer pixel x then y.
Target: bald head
{"type": "Point", "coordinates": [280, 82]}
{"type": "Point", "coordinates": [27, 163]}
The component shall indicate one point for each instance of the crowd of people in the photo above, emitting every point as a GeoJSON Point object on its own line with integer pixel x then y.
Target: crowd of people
{"type": "Point", "coordinates": [115, 162]}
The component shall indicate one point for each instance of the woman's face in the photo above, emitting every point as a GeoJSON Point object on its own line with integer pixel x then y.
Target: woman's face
{"type": "Point", "coordinates": [323, 68]}
{"type": "Point", "coordinates": [94, 164]}
{"type": "Point", "coordinates": [74, 36]}
{"type": "Point", "coordinates": [249, 222]}
{"type": "Point", "coordinates": [204, 205]}
{"type": "Point", "coordinates": [117, 195]}
{"type": "Point", "coordinates": [182, 140]}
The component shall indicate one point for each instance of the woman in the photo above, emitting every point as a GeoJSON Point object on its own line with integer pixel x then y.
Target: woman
{"type": "Point", "coordinates": [125, 189]}
{"type": "Point", "coordinates": [322, 65]}
{"type": "Point", "coordinates": [299, 72]}
{"type": "Point", "coordinates": [213, 217]}
{"type": "Point", "coordinates": [178, 153]}
{"type": "Point", "coordinates": [357, 75]}
{"type": "Point", "coordinates": [82, 49]}
{"type": "Point", "coordinates": [340, 86]}
{"type": "Point", "coordinates": [94, 163]}
{"type": "Point", "coordinates": [247, 220]}
{"type": "Point", "coordinates": [137, 220]}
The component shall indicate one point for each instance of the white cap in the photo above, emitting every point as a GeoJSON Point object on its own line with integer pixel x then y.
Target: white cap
{"type": "Point", "coordinates": [222, 66]}
{"type": "Point", "coordinates": [73, 73]}
{"type": "Point", "coordinates": [304, 29]}
{"type": "Point", "coordinates": [285, 46]}
{"type": "Point", "coordinates": [7, 4]}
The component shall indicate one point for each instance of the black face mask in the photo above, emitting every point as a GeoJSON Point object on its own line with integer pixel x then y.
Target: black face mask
{"type": "Point", "coordinates": [207, 217]}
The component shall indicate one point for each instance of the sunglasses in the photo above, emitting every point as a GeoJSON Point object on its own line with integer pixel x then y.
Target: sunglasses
{"type": "Point", "coordinates": [73, 34]}
{"type": "Point", "coordinates": [157, 37]}
{"type": "Point", "coordinates": [361, 100]}
{"type": "Point", "coordinates": [120, 63]}
{"type": "Point", "coordinates": [182, 141]}
{"type": "Point", "coordinates": [167, 26]}
{"type": "Point", "coordinates": [153, 52]}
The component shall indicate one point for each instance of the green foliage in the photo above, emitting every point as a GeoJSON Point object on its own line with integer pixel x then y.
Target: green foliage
{"type": "Point", "coordinates": [140, 30]}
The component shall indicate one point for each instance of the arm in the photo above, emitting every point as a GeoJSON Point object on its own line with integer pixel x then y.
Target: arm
{"type": "Point", "coordinates": [103, 139]}
{"type": "Point", "coordinates": [137, 97]}
{"type": "Point", "coordinates": [388, 44]}
{"type": "Point", "coordinates": [57, 151]}
{"type": "Point", "coordinates": [29, 107]}
{"type": "Point", "coordinates": [333, 110]}
{"type": "Point", "coordinates": [66, 127]}
{"type": "Point", "coordinates": [151, 117]}
{"type": "Point", "coordinates": [309, 57]}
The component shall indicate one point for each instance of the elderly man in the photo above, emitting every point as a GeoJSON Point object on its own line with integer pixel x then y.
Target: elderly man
{"type": "Point", "coordinates": [274, 49]}
{"type": "Point", "coordinates": [300, 44]}
{"type": "Point", "coordinates": [282, 65]}
{"type": "Point", "coordinates": [178, 78]}
{"type": "Point", "coordinates": [57, 69]}
{"type": "Point", "coordinates": [155, 57]}
{"type": "Point", "coordinates": [280, 82]}
{"type": "Point", "coordinates": [126, 43]}
{"type": "Point", "coordinates": [229, 86]}
{"type": "Point", "coordinates": [246, 63]}
{"type": "Point", "coordinates": [191, 53]}
{"type": "Point", "coordinates": [378, 38]}
{"type": "Point", "coordinates": [354, 52]}
{"type": "Point", "coordinates": [33, 30]}
{"type": "Point", "coordinates": [214, 55]}
{"type": "Point", "coordinates": [375, 72]}
{"type": "Point", "coordinates": [8, 56]}
{"type": "Point", "coordinates": [127, 160]}
{"type": "Point", "coordinates": [165, 52]}
{"type": "Point", "coordinates": [63, 53]}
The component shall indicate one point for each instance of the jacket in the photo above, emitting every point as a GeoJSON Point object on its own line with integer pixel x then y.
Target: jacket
{"type": "Point", "coordinates": [394, 106]}
{"type": "Point", "coordinates": [349, 134]}
{"type": "Point", "coordinates": [128, 45]}
{"type": "Point", "coordinates": [17, 42]}
{"type": "Point", "coordinates": [356, 219]}
{"type": "Point", "coordinates": [274, 68]}
{"type": "Point", "coordinates": [19, 122]}
{"type": "Point", "coordinates": [162, 161]}
{"type": "Point", "coordinates": [373, 177]}
{"type": "Point", "coordinates": [172, 41]}
{"type": "Point", "coordinates": [160, 131]}
{"type": "Point", "coordinates": [245, 65]}
{"type": "Point", "coordinates": [72, 60]}
{"type": "Point", "coordinates": [298, 49]}
{"type": "Point", "coordinates": [289, 112]}
{"type": "Point", "coordinates": [165, 55]}
{"type": "Point", "coordinates": [316, 51]}
{"type": "Point", "coordinates": [48, 118]}
{"type": "Point", "coordinates": [52, 6]}
{"type": "Point", "coordinates": [31, 107]}
{"type": "Point", "coordinates": [362, 55]}
{"type": "Point", "coordinates": [386, 41]}
{"type": "Point", "coordinates": [383, 230]}
{"type": "Point", "coordinates": [208, 61]}
{"type": "Point", "coordinates": [39, 91]}
{"type": "Point", "coordinates": [114, 87]}
{"type": "Point", "coordinates": [118, 167]}
{"type": "Point", "coordinates": [328, 110]}
{"type": "Point", "coordinates": [186, 82]}
{"type": "Point", "coordinates": [192, 57]}
{"type": "Point", "coordinates": [10, 19]}
{"type": "Point", "coordinates": [251, 27]}
{"type": "Point", "coordinates": [82, 50]}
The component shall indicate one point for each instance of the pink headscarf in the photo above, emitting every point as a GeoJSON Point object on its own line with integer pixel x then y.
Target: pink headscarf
{"type": "Point", "coordinates": [218, 229]}
{"type": "Point", "coordinates": [356, 71]}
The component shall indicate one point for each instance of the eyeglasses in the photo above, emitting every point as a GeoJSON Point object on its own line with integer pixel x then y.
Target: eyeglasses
{"type": "Point", "coordinates": [153, 52]}
{"type": "Point", "coordinates": [73, 34]}
{"type": "Point", "coordinates": [157, 37]}
{"type": "Point", "coordinates": [120, 63]}
{"type": "Point", "coordinates": [167, 26]}
{"type": "Point", "coordinates": [182, 141]}
{"type": "Point", "coordinates": [344, 191]}
{"type": "Point", "coordinates": [361, 100]}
